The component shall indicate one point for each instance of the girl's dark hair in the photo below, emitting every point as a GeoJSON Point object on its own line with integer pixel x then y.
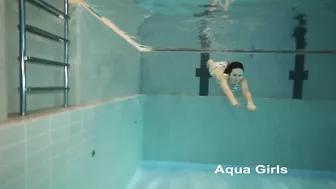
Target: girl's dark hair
{"type": "Point", "coordinates": [233, 65]}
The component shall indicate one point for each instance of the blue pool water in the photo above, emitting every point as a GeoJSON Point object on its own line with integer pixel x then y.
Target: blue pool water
{"type": "Point", "coordinates": [179, 125]}
{"type": "Point", "coordinates": [181, 114]}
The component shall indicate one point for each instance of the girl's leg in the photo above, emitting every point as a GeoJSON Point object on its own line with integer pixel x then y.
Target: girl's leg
{"type": "Point", "coordinates": [226, 5]}
{"type": "Point", "coordinates": [216, 69]}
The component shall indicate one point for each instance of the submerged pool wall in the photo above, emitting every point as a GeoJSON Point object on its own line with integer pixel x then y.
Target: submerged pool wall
{"type": "Point", "coordinates": [291, 133]}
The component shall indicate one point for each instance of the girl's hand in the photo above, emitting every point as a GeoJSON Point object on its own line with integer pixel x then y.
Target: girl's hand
{"type": "Point", "coordinates": [251, 107]}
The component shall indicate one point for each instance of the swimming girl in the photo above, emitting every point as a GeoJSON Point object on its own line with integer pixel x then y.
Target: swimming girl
{"type": "Point", "coordinates": [230, 77]}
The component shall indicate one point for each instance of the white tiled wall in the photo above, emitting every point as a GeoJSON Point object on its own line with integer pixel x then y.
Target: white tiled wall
{"type": "Point", "coordinates": [55, 152]}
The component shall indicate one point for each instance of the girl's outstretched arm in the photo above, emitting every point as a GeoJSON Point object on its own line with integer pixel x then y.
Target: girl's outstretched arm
{"type": "Point", "coordinates": [227, 91]}
{"type": "Point", "coordinates": [247, 94]}
{"type": "Point", "coordinates": [222, 80]}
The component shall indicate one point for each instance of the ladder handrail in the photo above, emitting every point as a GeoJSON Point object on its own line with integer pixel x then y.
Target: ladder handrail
{"type": "Point", "coordinates": [40, 32]}
{"type": "Point", "coordinates": [23, 58]}
{"type": "Point", "coordinates": [49, 8]}
{"type": "Point", "coordinates": [35, 60]}
{"type": "Point", "coordinates": [66, 55]}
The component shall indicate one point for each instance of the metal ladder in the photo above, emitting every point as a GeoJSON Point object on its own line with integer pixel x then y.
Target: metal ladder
{"type": "Point", "coordinates": [23, 58]}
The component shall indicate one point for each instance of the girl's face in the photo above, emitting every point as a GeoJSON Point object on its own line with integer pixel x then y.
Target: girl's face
{"type": "Point", "coordinates": [236, 75]}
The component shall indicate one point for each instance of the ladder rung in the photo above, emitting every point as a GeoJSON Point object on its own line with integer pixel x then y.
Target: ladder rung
{"type": "Point", "coordinates": [43, 89]}
{"type": "Point", "coordinates": [49, 8]}
{"type": "Point", "coordinates": [40, 32]}
{"type": "Point", "coordinates": [45, 61]}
